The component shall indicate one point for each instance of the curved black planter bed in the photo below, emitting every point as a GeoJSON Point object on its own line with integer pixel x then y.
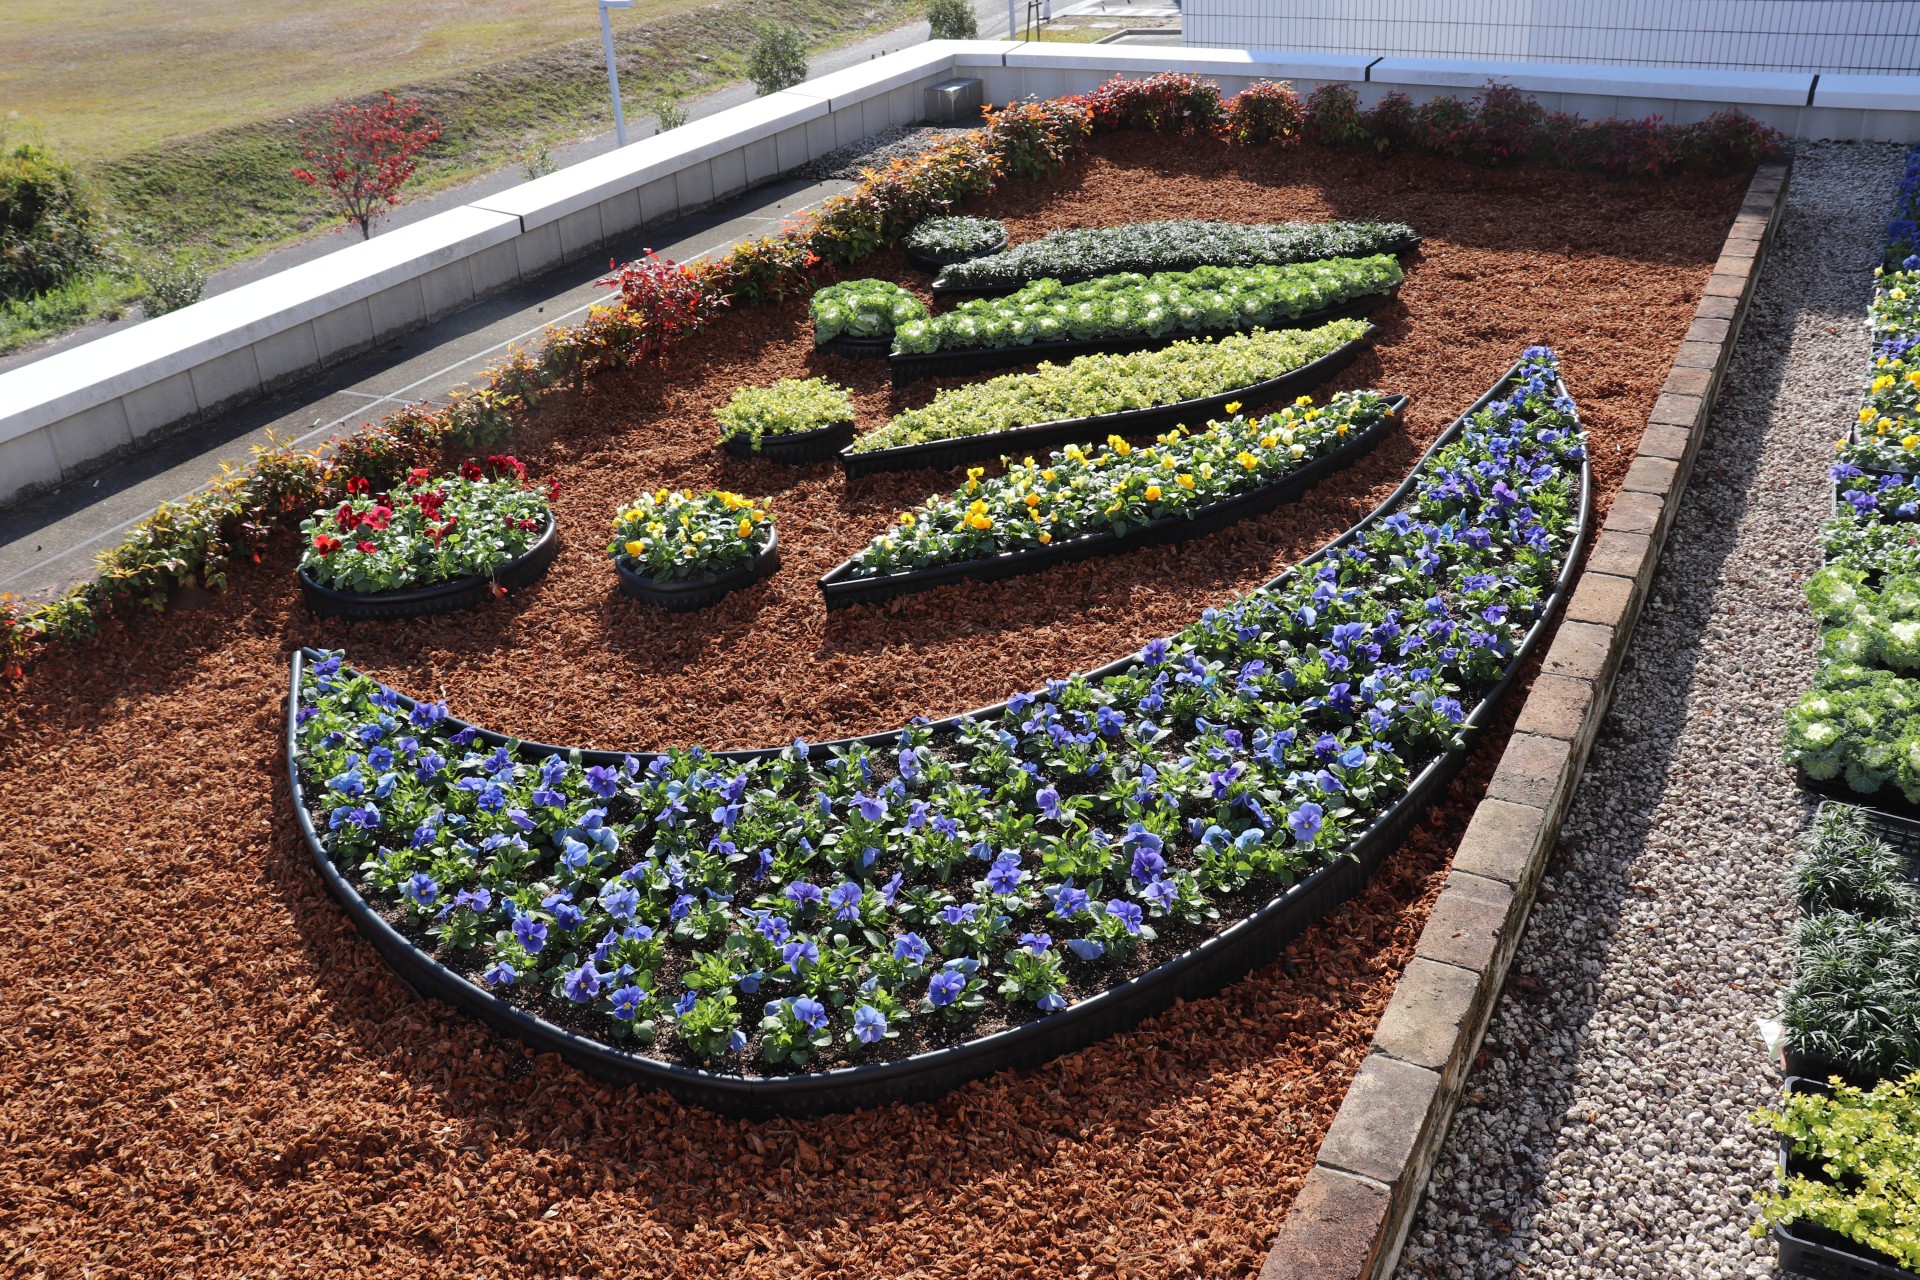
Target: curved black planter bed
{"type": "Point", "coordinates": [947, 364]}
{"type": "Point", "coordinates": [842, 590]}
{"type": "Point", "coordinates": [1811, 1250]}
{"type": "Point", "coordinates": [993, 445]}
{"type": "Point", "coordinates": [684, 595]}
{"type": "Point", "coordinates": [442, 597]}
{"type": "Point", "coordinates": [930, 263]}
{"type": "Point", "coordinates": [1236, 950]}
{"type": "Point", "coordinates": [1399, 249]}
{"type": "Point", "coordinates": [853, 348]}
{"type": "Point", "coordinates": [795, 448]}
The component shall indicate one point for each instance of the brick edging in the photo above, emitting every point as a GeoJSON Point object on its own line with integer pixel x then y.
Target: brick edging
{"type": "Point", "coordinates": [1351, 1217]}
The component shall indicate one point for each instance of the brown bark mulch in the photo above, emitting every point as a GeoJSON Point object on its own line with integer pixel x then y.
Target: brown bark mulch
{"type": "Point", "coordinates": [204, 1072]}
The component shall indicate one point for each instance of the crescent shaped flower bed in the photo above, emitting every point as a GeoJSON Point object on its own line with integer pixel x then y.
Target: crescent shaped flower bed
{"type": "Point", "coordinates": [1077, 504]}
{"type": "Point", "coordinates": [828, 927]}
{"type": "Point", "coordinates": [686, 551]}
{"type": "Point", "coordinates": [1090, 397]}
{"type": "Point", "coordinates": [1173, 244]}
{"type": "Point", "coordinates": [430, 544]}
{"type": "Point", "coordinates": [1133, 312]}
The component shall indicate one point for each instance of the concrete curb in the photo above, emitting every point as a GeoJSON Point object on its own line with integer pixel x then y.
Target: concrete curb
{"type": "Point", "coordinates": [1352, 1215]}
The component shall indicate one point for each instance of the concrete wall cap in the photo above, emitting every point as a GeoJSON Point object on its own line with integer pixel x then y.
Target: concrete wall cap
{"type": "Point", "coordinates": [1870, 93]}
{"type": "Point", "coordinates": [1773, 88]}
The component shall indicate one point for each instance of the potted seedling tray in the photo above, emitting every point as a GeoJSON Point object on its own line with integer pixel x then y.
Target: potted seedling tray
{"type": "Point", "coordinates": [441, 597]}
{"type": "Point", "coordinates": [1814, 1251]}
{"type": "Point", "coordinates": [911, 367]}
{"type": "Point", "coordinates": [853, 348]}
{"type": "Point", "coordinates": [1399, 249]}
{"type": "Point", "coordinates": [842, 589]}
{"type": "Point", "coordinates": [993, 445]}
{"type": "Point", "coordinates": [1240, 947]}
{"type": "Point", "coordinates": [684, 595]}
{"type": "Point", "coordinates": [795, 448]}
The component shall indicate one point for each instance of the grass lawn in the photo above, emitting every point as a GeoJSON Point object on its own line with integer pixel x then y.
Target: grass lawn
{"type": "Point", "coordinates": [100, 81]}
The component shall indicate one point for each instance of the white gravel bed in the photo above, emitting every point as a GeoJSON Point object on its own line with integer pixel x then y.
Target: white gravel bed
{"type": "Point", "coordinates": [1605, 1127]}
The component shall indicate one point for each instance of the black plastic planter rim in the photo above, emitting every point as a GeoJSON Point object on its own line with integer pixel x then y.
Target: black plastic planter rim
{"type": "Point", "coordinates": [681, 595]}
{"type": "Point", "coordinates": [1847, 1260]}
{"type": "Point", "coordinates": [441, 597]}
{"type": "Point", "coordinates": [853, 348]}
{"type": "Point", "coordinates": [842, 590]}
{"type": "Point", "coordinates": [1203, 969]}
{"type": "Point", "coordinates": [915, 366]}
{"type": "Point", "coordinates": [992, 445]}
{"type": "Point", "coordinates": [817, 445]}
{"type": "Point", "coordinates": [1399, 249]}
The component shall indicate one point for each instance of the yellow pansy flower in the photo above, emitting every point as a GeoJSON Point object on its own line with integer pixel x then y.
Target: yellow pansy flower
{"type": "Point", "coordinates": [1232, 406]}
{"type": "Point", "coordinates": [1153, 493]}
{"type": "Point", "coordinates": [636, 549]}
{"type": "Point", "coordinates": [1045, 538]}
{"type": "Point", "coordinates": [1247, 460]}
{"type": "Point", "coordinates": [746, 528]}
{"type": "Point", "coordinates": [1184, 480]}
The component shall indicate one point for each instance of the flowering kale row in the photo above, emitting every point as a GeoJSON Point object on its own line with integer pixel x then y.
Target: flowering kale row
{"type": "Point", "coordinates": [737, 912]}
{"type": "Point", "coordinates": [1080, 253]}
{"type": "Point", "coordinates": [1204, 300]}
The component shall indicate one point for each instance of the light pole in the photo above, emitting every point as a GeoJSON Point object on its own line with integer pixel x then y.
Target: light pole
{"type": "Point", "coordinates": [613, 72]}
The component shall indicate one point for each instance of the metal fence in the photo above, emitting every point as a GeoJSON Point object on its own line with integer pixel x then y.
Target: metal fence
{"type": "Point", "coordinates": [1877, 37]}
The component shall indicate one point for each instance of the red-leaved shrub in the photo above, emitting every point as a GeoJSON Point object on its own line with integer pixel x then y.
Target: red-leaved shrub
{"type": "Point", "coordinates": [1261, 113]}
{"type": "Point", "coordinates": [1170, 102]}
{"type": "Point", "coordinates": [1333, 117]}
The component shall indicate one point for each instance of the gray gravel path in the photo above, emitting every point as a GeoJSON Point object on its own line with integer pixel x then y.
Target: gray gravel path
{"type": "Point", "coordinates": [1605, 1130]}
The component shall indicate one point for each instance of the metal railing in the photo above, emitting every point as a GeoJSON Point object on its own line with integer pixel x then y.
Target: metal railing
{"type": "Point", "coordinates": [1872, 37]}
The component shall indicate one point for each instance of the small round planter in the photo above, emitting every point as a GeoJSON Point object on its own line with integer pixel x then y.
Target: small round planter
{"type": "Point", "coordinates": [688, 594]}
{"type": "Point", "coordinates": [442, 597]}
{"type": "Point", "coordinates": [853, 348]}
{"type": "Point", "coordinates": [929, 263]}
{"type": "Point", "coordinates": [822, 444]}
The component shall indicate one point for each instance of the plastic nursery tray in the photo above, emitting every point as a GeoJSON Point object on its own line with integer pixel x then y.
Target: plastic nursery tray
{"type": "Point", "coordinates": [1398, 249]}
{"type": "Point", "coordinates": [442, 597]}
{"type": "Point", "coordinates": [1815, 1251]}
{"type": "Point", "coordinates": [796, 447]}
{"type": "Point", "coordinates": [944, 364]}
{"type": "Point", "coordinates": [856, 348]}
{"type": "Point", "coordinates": [842, 589]}
{"type": "Point", "coordinates": [928, 262]}
{"type": "Point", "coordinates": [1236, 950]}
{"type": "Point", "coordinates": [688, 594]}
{"type": "Point", "coordinates": [1887, 802]}
{"type": "Point", "coordinates": [993, 445]}
{"type": "Point", "coordinates": [1904, 835]}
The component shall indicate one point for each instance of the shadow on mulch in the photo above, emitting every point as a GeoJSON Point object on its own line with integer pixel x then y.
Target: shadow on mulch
{"type": "Point", "coordinates": [203, 1071]}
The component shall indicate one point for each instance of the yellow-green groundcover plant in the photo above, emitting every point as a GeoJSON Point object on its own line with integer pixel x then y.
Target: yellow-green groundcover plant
{"type": "Point", "coordinates": [1867, 1146]}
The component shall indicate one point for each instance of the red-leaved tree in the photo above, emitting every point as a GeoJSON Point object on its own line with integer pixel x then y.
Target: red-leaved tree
{"type": "Point", "coordinates": [365, 156]}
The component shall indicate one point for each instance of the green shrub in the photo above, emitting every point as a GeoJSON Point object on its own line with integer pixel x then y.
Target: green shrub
{"type": "Point", "coordinates": [863, 309]}
{"type": "Point", "coordinates": [668, 113]}
{"type": "Point", "coordinates": [1855, 997]}
{"type": "Point", "coordinates": [777, 59]}
{"type": "Point", "coordinates": [1173, 244]}
{"type": "Point", "coordinates": [952, 20]}
{"type": "Point", "coordinates": [1095, 384]}
{"type": "Point", "coordinates": [1206, 300]}
{"type": "Point", "coordinates": [170, 284]}
{"type": "Point", "coordinates": [956, 239]}
{"type": "Point", "coordinates": [789, 406]}
{"type": "Point", "coordinates": [48, 233]}
{"type": "Point", "coordinates": [1844, 866]}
